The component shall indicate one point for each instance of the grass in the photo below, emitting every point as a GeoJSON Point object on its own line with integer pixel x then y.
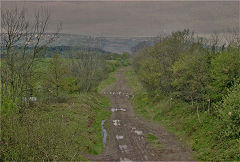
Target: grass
{"type": "Point", "coordinates": [107, 82]}
{"type": "Point", "coordinates": [180, 118]}
{"type": "Point", "coordinates": [154, 141]}
{"type": "Point", "coordinates": [59, 131]}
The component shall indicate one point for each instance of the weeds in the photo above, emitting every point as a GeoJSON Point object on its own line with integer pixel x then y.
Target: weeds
{"type": "Point", "coordinates": [59, 131]}
{"type": "Point", "coordinates": [154, 141]}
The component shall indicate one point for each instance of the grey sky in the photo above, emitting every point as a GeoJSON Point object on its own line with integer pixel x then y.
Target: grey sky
{"type": "Point", "coordinates": [138, 18]}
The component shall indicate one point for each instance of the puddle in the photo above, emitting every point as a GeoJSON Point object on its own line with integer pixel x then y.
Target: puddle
{"type": "Point", "coordinates": [119, 137]}
{"type": "Point", "coordinates": [116, 122]}
{"type": "Point", "coordinates": [118, 109]}
{"type": "Point", "coordinates": [145, 157]}
{"type": "Point", "coordinates": [124, 159]}
{"type": "Point", "coordinates": [123, 148]}
{"type": "Point", "coordinates": [138, 132]}
{"type": "Point", "coordinates": [104, 133]}
{"type": "Point", "coordinates": [120, 93]}
{"type": "Point", "coordinates": [133, 128]}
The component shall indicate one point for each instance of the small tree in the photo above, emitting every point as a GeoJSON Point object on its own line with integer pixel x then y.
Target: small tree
{"type": "Point", "coordinates": [229, 113]}
{"type": "Point", "coordinates": [56, 74]}
{"type": "Point", "coordinates": [22, 43]}
{"type": "Point", "coordinates": [191, 77]}
{"type": "Point", "coordinates": [225, 69]}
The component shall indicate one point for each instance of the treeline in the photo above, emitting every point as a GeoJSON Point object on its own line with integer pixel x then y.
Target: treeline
{"type": "Point", "coordinates": [202, 73]}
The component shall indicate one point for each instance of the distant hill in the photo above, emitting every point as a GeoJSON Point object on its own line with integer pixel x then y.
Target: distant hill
{"type": "Point", "coordinates": [111, 44]}
{"type": "Point", "coordinates": [65, 50]}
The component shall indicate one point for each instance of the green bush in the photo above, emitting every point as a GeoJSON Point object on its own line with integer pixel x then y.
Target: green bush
{"type": "Point", "coordinates": [191, 77]}
{"type": "Point", "coordinates": [229, 113]}
{"type": "Point", "coordinates": [225, 70]}
{"type": "Point", "coordinates": [8, 107]}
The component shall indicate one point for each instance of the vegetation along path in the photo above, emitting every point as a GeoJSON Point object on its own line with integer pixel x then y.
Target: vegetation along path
{"type": "Point", "coordinates": [130, 138]}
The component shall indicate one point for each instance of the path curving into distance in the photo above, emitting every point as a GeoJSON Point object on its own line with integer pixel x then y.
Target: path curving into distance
{"type": "Point", "coordinates": [126, 132]}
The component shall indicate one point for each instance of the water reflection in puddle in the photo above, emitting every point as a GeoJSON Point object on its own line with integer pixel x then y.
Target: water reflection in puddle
{"type": "Point", "coordinates": [104, 133]}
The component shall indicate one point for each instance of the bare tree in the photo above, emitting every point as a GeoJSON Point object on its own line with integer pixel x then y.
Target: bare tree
{"type": "Point", "coordinates": [85, 66]}
{"type": "Point", "coordinates": [21, 45]}
{"type": "Point", "coordinates": [56, 73]}
{"type": "Point", "coordinates": [232, 37]}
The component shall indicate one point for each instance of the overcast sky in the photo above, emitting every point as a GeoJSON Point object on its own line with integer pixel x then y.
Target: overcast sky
{"type": "Point", "coordinates": [138, 18]}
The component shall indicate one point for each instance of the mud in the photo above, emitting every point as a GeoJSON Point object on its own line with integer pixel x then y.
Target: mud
{"type": "Point", "coordinates": [126, 140]}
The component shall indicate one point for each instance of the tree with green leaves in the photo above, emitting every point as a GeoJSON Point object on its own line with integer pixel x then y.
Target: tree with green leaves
{"type": "Point", "coordinates": [225, 69]}
{"type": "Point", "coordinates": [56, 74]}
{"type": "Point", "coordinates": [191, 77]}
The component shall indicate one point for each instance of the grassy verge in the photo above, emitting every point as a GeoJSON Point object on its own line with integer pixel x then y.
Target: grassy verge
{"type": "Point", "coordinates": [109, 81]}
{"type": "Point", "coordinates": [203, 137]}
{"type": "Point", "coordinates": [154, 141]}
{"type": "Point", "coordinates": [58, 131]}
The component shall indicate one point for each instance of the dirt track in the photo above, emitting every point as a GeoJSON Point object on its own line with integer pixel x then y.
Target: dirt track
{"type": "Point", "coordinates": [126, 132]}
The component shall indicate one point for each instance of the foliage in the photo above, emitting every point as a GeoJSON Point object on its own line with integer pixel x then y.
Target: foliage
{"type": "Point", "coordinates": [64, 123]}
{"type": "Point", "coordinates": [50, 109]}
{"type": "Point", "coordinates": [229, 113]}
{"type": "Point", "coordinates": [184, 67]}
{"type": "Point", "coordinates": [207, 139]}
{"type": "Point", "coordinates": [225, 70]}
{"type": "Point", "coordinates": [154, 141]}
{"type": "Point", "coordinates": [155, 69]}
{"type": "Point", "coordinates": [125, 59]}
{"type": "Point", "coordinates": [191, 77]}
{"type": "Point", "coordinates": [107, 82]}
{"type": "Point", "coordinates": [56, 74]}
{"type": "Point", "coordinates": [195, 83]}
{"type": "Point", "coordinates": [17, 67]}
{"type": "Point", "coordinates": [55, 131]}
{"type": "Point", "coordinates": [112, 65]}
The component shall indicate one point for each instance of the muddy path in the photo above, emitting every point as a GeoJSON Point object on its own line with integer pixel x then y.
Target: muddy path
{"type": "Point", "coordinates": [126, 132]}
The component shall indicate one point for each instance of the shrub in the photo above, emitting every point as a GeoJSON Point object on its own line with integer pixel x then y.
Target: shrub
{"type": "Point", "coordinates": [191, 76]}
{"type": "Point", "coordinates": [225, 69]}
{"type": "Point", "coordinates": [229, 113]}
